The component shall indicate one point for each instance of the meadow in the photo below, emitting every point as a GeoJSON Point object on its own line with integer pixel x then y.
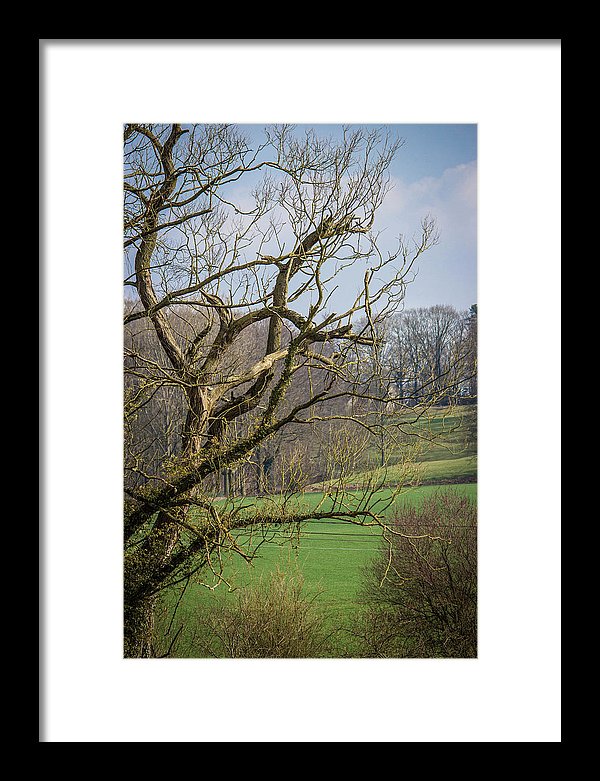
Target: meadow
{"type": "Point", "coordinates": [328, 555]}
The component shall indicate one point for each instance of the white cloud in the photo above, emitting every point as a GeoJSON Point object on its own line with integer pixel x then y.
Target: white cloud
{"type": "Point", "coordinates": [447, 272]}
{"type": "Point", "coordinates": [451, 198]}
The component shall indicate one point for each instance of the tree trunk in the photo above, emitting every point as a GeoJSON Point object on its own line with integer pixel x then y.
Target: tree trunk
{"type": "Point", "coordinates": [143, 567]}
{"type": "Point", "coordinates": [142, 579]}
{"type": "Point", "coordinates": [226, 482]}
{"type": "Point", "coordinates": [139, 629]}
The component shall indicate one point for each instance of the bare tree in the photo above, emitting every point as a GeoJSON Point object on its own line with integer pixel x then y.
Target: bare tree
{"type": "Point", "coordinates": [230, 254]}
{"type": "Point", "coordinates": [470, 340]}
{"type": "Point", "coordinates": [429, 354]}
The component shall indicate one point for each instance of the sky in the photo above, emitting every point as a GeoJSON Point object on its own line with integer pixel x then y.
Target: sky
{"type": "Point", "coordinates": [434, 173]}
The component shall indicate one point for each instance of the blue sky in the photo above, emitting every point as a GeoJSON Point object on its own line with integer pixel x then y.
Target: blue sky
{"type": "Point", "coordinates": [435, 172]}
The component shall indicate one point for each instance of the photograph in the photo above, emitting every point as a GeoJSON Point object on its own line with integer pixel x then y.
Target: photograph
{"type": "Point", "coordinates": [300, 391]}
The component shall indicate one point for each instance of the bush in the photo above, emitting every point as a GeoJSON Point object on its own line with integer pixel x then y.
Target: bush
{"type": "Point", "coordinates": [270, 620]}
{"type": "Point", "coordinates": [421, 591]}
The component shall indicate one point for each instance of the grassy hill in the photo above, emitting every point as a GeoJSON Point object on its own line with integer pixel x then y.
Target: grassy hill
{"type": "Point", "coordinates": [438, 472]}
{"type": "Point", "coordinates": [447, 440]}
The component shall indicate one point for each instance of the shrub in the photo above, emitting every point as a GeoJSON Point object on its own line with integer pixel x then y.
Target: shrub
{"type": "Point", "coordinates": [421, 591]}
{"type": "Point", "coordinates": [269, 620]}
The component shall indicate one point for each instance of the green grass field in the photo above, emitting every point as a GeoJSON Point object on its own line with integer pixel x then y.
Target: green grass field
{"type": "Point", "coordinates": [446, 470]}
{"type": "Point", "coordinates": [448, 451]}
{"type": "Point", "coordinates": [330, 555]}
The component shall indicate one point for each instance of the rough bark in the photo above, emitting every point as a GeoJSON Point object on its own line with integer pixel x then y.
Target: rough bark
{"type": "Point", "coordinates": [139, 628]}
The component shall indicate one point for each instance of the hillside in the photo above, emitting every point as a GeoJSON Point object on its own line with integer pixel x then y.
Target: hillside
{"type": "Point", "coordinates": [447, 453]}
